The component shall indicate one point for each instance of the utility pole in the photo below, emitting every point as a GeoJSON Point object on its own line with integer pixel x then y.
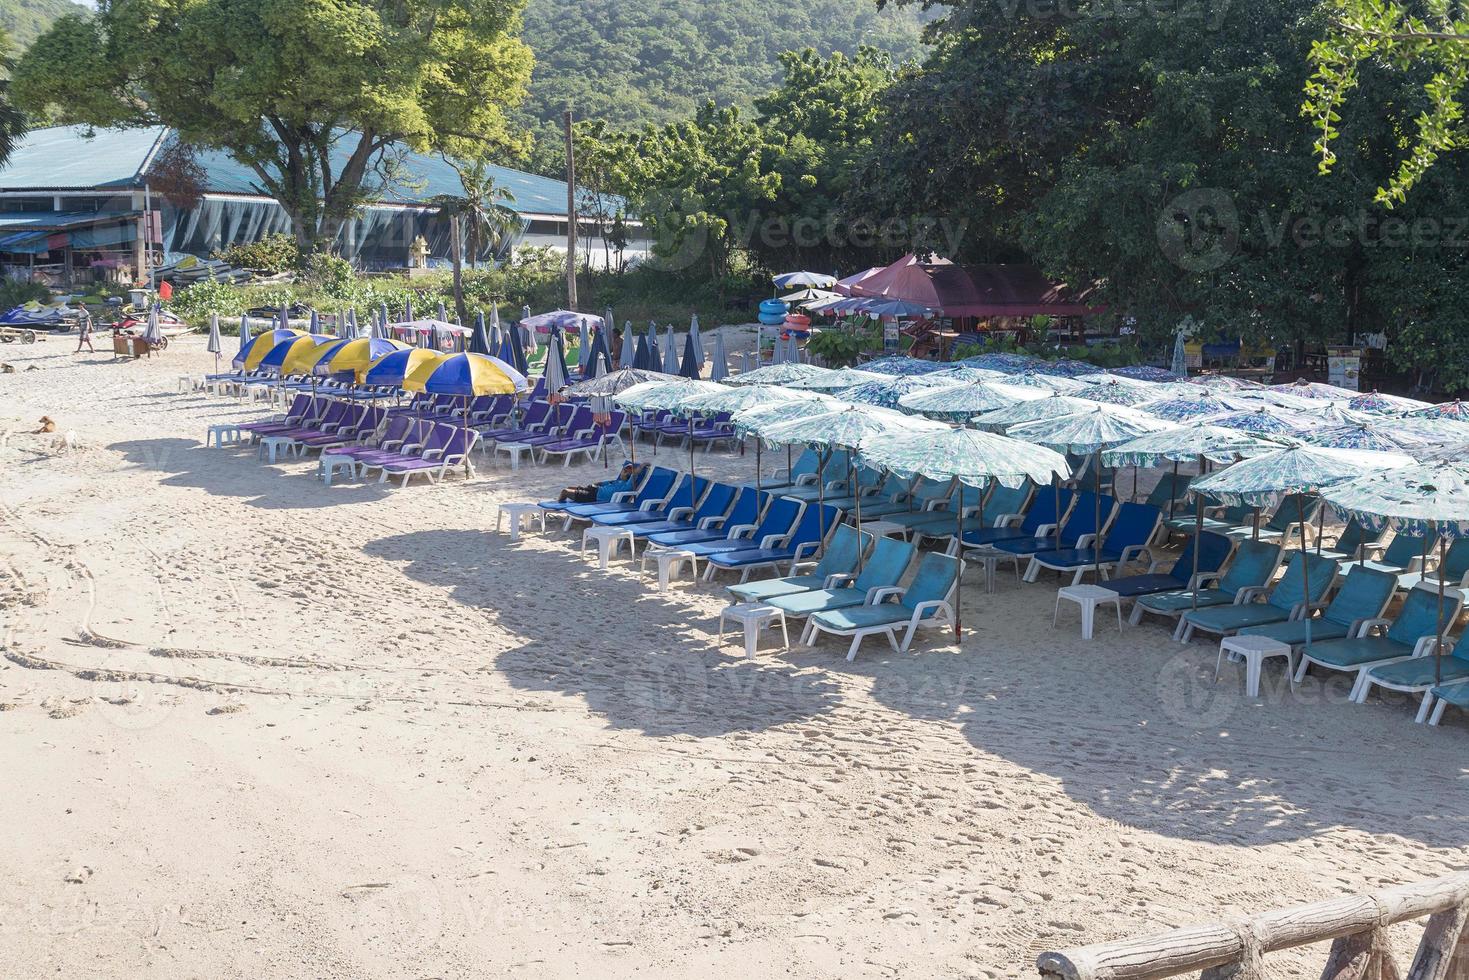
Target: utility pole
{"type": "Point", "coordinates": [571, 228]}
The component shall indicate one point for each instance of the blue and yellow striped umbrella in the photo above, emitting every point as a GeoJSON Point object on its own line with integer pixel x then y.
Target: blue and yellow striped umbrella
{"type": "Point", "coordinates": [466, 375]}
{"type": "Point", "coordinates": [359, 355]}
{"type": "Point", "coordinates": [392, 369]}
{"type": "Point", "coordinates": [303, 359]}
{"type": "Point", "coordinates": [254, 352]}
{"type": "Point", "coordinates": [275, 359]}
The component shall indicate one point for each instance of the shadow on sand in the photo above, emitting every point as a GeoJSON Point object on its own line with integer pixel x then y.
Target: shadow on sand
{"type": "Point", "coordinates": [672, 682]}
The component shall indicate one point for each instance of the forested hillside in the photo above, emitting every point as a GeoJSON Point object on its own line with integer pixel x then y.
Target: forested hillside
{"type": "Point", "coordinates": [636, 61]}
{"type": "Point", "coordinates": [24, 20]}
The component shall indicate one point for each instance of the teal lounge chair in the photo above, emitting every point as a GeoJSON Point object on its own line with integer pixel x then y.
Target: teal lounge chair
{"type": "Point", "coordinates": [934, 509]}
{"type": "Point", "coordinates": [837, 565]}
{"type": "Point", "coordinates": [979, 512]}
{"type": "Point", "coordinates": [927, 601]}
{"type": "Point", "coordinates": [1350, 543]}
{"type": "Point", "coordinates": [1287, 599]}
{"type": "Point", "coordinates": [905, 498]}
{"type": "Point", "coordinates": [1410, 636]}
{"type": "Point", "coordinates": [1170, 487]}
{"type": "Point", "coordinates": [884, 569]}
{"type": "Point", "coordinates": [1253, 566]}
{"type": "Point", "coordinates": [1454, 569]}
{"type": "Point", "coordinates": [1284, 523]}
{"type": "Point", "coordinates": [1448, 694]}
{"type": "Point", "coordinates": [1403, 554]}
{"type": "Point", "coordinates": [1361, 597]}
{"type": "Point", "coordinates": [1217, 518]}
{"type": "Point", "coordinates": [1420, 674]}
{"type": "Point", "coordinates": [870, 483]}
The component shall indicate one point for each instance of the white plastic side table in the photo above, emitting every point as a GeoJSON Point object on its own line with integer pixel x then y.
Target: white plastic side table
{"type": "Point", "coordinates": [608, 540]}
{"type": "Point", "coordinates": [1089, 597]}
{"type": "Point", "coordinates": [525, 511]}
{"type": "Point", "coordinates": [670, 561]}
{"type": "Point", "coordinates": [1254, 650]}
{"type": "Point", "coordinates": [220, 433]}
{"type": "Point", "coordinates": [276, 445]}
{"type": "Point", "coordinates": [755, 617]}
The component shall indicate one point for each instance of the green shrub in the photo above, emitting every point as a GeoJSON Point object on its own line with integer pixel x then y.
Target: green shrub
{"type": "Point", "coordinates": [270, 255]}
{"type": "Point", "coordinates": [14, 293]}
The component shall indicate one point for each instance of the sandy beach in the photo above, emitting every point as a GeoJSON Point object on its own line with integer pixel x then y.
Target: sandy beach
{"type": "Point", "coordinates": [255, 726]}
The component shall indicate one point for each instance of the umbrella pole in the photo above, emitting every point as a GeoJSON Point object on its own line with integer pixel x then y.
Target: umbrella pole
{"type": "Point", "coordinates": [1255, 524]}
{"type": "Point", "coordinates": [468, 466]}
{"type": "Point", "coordinates": [959, 554]}
{"type": "Point", "coordinates": [1305, 566]}
{"type": "Point", "coordinates": [1198, 539]}
{"type": "Point", "coordinates": [1172, 490]}
{"type": "Point", "coordinates": [821, 491]}
{"type": "Point", "coordinates": [691, 459]}
{"type": "Point", "coordinates": [1097, 523]}
{"type": "Point", "coordinates": [758, 440]}
{"type": "Point", "coordinates": [1438, 641]}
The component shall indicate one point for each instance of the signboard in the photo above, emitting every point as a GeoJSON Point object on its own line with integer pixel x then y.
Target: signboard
{"type": "Point", "coordinates": [890, 335]}
{"type": "Point", "coordinates": [1344, 367]}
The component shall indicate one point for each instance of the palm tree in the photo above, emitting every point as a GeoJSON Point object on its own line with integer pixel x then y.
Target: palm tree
{"type": "Point", "coordinates": [478, 217]}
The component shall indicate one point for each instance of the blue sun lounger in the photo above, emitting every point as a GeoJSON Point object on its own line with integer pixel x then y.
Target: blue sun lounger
{"type": "Point", "coordinates": [684, 498]}
{"type": "Point", "coordinates": [908, 498]}
{"type": "Point", "coordinates": [745, 514]}
{"type": "Point", "coordinates": [1253, 566]}
{"type": "Point", "coordinates": [837, 565]}
{"type": "Point", "coordinates": [815, 523]}
{"type": "Point", "coordinates": [1214, 551]}
{"type": "Point", "coordinates": [657, 485]}
{"type": "Point", "coordinates": [979, 511]}
{"type": "Point", "coordinates": [1306, 580]}
{"type": "Point", "coordinates": [1362, 597]}
{"type": "Point", "coordinates": [1038, 522]}
{"type": "Point", "coordinates": [713, 508]}
{"type": "Point", "coordinates": [927, 601]}
{"type": "Point", "coordinates": [1078, 529]}
{"type": "Point", "coordinates": [883, 570]}
{"type": "Point", "coordinates": [1131, 532]}
{"type": "Point", "coordinates": [1409, 639]}
{"type": "Point", "coordinates": [775, 526]}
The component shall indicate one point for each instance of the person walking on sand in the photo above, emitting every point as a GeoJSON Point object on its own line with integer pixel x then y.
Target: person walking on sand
{"type": "Point", "coordinates": [84, 332]}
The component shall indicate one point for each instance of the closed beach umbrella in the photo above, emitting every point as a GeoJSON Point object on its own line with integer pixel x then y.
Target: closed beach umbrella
{"type": "Point", "coordinates": [629, 346]}
{"type": "Point", "coordinates": [314, 323]}
{"type": "Point", "coordinates": [968, 456]}
{"type": "Point", "coordinates": [1179, 364]}
{"type": "Point", "coordinates": [244, 330]}
{"type": "Point", "coordinates": [153, 333]}
{"type": "Point", "coordinates": [670, 353]}
{"type": "Point", "coordinates": [214, 346]}
{"type": "Point", "coordinates": [689, 368]}
{"type": "Point", "coordinates": [719, 361]}
{"type": "Point", "coordinates": [479, 340]}
{"type": "Point", "coordinates": [285, 316]}
{"type": "Point", "coordinates": [777, 352]}
{"type": "Point", "coordinates": [555, 367]}
{"type": "Point", "coordinates": [643, 359]}
{"type": "Point", "coordinates": [698, 340]}
{"type": "Point", "coordinates": [653, 349]}
{"type": "Point", "coordinates": [599, 361]}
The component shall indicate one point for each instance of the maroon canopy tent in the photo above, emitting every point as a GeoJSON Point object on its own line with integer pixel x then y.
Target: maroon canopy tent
{"type": "Point", "coordinates": [976, 290]}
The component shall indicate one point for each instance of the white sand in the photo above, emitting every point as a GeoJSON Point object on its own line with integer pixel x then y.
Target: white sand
{"type": "Point", "coordinates": [299, 731]}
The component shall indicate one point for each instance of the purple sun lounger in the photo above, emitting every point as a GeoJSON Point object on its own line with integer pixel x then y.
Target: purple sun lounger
{"type": "Point", "coordinates": [435, 463]}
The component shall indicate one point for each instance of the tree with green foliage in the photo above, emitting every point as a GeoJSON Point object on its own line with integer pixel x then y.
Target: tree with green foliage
{"type": "Point", "coordinates": [12, 119]}
{"type": "Point", "coordinates": [315, 98]}
{"type": "Point", "coordinates": [1161, 156]}
{"type": "Point", "coordinates": [1432, 37]}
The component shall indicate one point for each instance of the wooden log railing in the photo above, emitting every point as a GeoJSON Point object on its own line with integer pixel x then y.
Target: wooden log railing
{"type": "Point", "coordinates": [1355, 926]}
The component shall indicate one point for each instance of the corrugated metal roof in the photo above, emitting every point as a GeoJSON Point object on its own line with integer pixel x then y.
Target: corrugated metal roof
{"type": "Point", "coordinates": [79, 158]}
{"type": "Point", "coordinates": [56, 220]}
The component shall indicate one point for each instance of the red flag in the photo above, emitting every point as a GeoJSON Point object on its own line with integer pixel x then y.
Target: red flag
{"type": "Point", "coordinates": [165, 290]}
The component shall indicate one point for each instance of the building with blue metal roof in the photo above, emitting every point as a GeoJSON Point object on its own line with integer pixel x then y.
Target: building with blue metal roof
{"type": "Point", "coordinates": [74, 198]}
